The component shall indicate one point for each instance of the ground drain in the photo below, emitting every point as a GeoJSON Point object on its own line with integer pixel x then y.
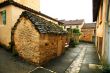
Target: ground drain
{"type": "Point", "coordinates": [41, 70]}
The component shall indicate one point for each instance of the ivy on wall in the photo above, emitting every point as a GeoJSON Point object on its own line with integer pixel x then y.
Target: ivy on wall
{"type": "Point", "coordinates": [76, 31]}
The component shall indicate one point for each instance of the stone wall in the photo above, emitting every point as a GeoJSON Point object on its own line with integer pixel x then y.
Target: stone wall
{"type": "Point", "coordinates": [26, 40]}
{"type": "Point", "coordinates": [13, 13]}
{"type": "Point", "coordinates": [34, 46]}
{"type": "Point", "coordinates": [87, 35]}
{"type": "Point", "coordinates": [51, 46]}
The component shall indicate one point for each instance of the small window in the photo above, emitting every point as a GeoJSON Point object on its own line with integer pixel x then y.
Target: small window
{"type": "Point", "coordinates": [3, 17]}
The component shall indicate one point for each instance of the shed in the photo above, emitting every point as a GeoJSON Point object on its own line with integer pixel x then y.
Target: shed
{"type": "Point", "coordinates": [36, 39]}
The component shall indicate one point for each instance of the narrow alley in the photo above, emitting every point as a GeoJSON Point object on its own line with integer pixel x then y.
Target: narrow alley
{"type": "Point", "coordinates": [54, 36]}
{"type": "Point", "coordinates": [81, 59]}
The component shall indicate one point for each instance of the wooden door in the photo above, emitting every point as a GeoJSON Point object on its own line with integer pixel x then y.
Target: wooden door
{"type": "Point", "coordinates": [59, 50]}
{"type": "Point", "coordinates": [100, 45]}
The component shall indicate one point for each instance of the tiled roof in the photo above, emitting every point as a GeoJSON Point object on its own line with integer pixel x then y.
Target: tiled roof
{"type": "Point", "coordinates": [12, 2]}
{"type": "Point", "coordinates": [89, 25]}
{"type": "Point", "coordinates": [72, 22]}
{"type": "Point", "coordinates": [42, 25]}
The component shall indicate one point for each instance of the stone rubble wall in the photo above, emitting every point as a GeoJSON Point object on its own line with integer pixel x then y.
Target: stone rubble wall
{"type": "Point", "coordinates": [26, 40]}
{"type": "Point", "coordinates": [51, 46]}
{"type": "Point", "coordinates": [36, 47]}
{"type": "Point", "coordinates": [87, 35]}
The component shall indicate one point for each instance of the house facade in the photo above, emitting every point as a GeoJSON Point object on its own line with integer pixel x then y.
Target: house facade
{"type": "Point", "coordinates": [101, 14]}
{"type": "Point", "coordinates": [71, 24]}
{"type": "Point", "coordinates": [34, 4]}
{"type": "Point", "coordinates": [88, 32]}
{"type": "Point", "coordinates": [10, 10]}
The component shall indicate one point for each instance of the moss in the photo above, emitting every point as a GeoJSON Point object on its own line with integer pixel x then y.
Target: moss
{"type": "Point", "coordinates": [106, 69]}
{"type": "Point", "coordinates": [42, 25]}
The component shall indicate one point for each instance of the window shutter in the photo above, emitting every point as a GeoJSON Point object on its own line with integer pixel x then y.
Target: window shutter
{"type": "Point", "coordinates": [4, 16]}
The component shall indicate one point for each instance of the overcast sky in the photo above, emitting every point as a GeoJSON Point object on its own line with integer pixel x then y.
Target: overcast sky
{"type": "Point", "coordinates": [67, 9]}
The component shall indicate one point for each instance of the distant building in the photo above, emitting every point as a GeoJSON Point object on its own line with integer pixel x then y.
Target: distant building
{"type": "Point", "coordinates": [88, 32]}
{"type": "Point", "coordinates": [70, 24]}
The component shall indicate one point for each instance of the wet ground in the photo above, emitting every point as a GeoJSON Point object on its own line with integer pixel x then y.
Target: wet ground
{"type": "Point", "coordinates": [61, 63]}
{"type": "Point", "coordinates": [90, 61]}
{"type": "Point", "coordinates": [11, 64]}
{"type": "Point", "coordinates": [80, 59]}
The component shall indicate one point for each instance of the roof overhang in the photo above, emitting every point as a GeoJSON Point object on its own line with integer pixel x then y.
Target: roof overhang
{"type": "Point", "coordinates": [11, 2]}
{"type": "Point", "coordinates": [96, 5]}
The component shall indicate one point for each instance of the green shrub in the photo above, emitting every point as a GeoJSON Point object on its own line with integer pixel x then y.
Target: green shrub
{"type": "Point", "coordinates": [72, 43]}
{"type": "Point", "coordinates": [76, 31]}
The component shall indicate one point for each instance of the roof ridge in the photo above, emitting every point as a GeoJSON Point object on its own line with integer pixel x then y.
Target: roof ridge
{"type": "Point", "coordinates": [45, 26]}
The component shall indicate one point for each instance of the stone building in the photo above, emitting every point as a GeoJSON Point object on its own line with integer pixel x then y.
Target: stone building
{"type": "Point", "coordinates": [35, 36]}
{"type": "Point", "coordinates": [36, 39]}
{"type": "Point", "coordinates": [10, 10]}
{"type": "Point", "coordinates": [88, 32]}
{"type": "Point", "coordinates": [71, 24]}
{"type": "Point", "coordinates": [101, 14]}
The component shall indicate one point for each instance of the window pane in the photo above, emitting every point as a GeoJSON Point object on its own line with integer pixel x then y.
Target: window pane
{"type": "Point", "coordinates": [4, 16]}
